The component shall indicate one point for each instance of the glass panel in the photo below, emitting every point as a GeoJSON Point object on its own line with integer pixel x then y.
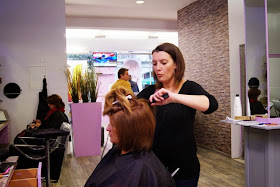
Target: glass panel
{"type": "Point", "coordinates": [256, 63]}
{"type": "Point", "coordinates": [139, 65]}
{"type": "Point", "coordinates": [273, 25]}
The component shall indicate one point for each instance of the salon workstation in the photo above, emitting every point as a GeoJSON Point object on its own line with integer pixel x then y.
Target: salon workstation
{"type": "Point", "coordinates": [256, 107]}
{"type": "Point", "coordinates": [261, 150]}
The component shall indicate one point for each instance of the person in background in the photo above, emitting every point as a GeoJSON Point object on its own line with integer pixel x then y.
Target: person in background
{"type": "Point", "coordinates": [130, 162]}
{"type": "Point", "coordinates": [55, 116]}
{"type": "Point", "coordinates": [174, 141]}
{"type": "Point", "coordinates": [256, 106]}
{"type": "Point", "coordinates": [134, 85]}
{"type": "Point", "coordinates": [123, 79]}
{"type": "Point", "coordinates": [53, 119]}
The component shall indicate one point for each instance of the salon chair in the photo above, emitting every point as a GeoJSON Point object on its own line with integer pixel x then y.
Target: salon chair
{"type": "Point", "coordinates": [50, 150]}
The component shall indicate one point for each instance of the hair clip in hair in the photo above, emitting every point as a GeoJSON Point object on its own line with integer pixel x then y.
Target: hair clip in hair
{"type": "Point", "coordinates": [128, 97]}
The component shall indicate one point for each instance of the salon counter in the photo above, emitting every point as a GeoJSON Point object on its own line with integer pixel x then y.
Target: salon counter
{"type": "Point", "coordinates": [262, 152]}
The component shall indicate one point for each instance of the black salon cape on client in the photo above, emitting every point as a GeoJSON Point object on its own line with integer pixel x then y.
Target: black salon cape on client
{"type": "Point", "coordinates": [131, 169]}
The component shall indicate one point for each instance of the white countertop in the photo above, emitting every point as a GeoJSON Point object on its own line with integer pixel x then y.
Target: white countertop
{"type": "Point", "coordinates": [253, 124]}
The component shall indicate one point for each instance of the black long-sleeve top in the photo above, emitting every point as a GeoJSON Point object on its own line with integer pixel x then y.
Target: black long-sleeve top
{"type": "Point", "coordinates": [174, 141]}
{"type": "Point", "coordinates": [54, 120]}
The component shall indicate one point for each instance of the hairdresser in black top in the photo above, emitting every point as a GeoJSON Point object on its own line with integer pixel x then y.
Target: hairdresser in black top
{"type": "Point", "coordinates": [174, 141]}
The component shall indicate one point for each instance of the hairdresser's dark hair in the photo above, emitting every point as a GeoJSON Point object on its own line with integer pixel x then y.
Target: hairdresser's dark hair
{"type": "Point", "coordinates": [178, 59]}
{"type": "Point", "coordinates": [133, 119]}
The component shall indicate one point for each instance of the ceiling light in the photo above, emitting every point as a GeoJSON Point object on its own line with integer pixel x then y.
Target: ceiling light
{"type": "Point", "coordinates": [139, 2]}
{"type": "Point", "coordinates": [79, 33]}
{"type": "Point", "coordinates": [152, 37]}
{"type": "Point", "coordinates": [100, 36]}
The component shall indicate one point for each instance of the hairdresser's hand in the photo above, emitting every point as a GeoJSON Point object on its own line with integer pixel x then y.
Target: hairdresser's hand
{"type": "Point", "coordinates": [157, 99]}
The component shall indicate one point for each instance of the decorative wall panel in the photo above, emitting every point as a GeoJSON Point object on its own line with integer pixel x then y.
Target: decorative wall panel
{"type": "Point", "coordinates": [204, 41]}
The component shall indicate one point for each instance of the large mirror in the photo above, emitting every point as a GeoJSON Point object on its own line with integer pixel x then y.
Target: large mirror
{"type": "Point", "coordinates": [273, 30]}
{"type": "Point", "coordinates": [263, 55]}
{"type": "Point", "coordinates": [256, 56]}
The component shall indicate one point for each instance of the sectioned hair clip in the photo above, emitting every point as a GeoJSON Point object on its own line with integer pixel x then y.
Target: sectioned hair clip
{"type": "Point", "coordinates": [128, 97]}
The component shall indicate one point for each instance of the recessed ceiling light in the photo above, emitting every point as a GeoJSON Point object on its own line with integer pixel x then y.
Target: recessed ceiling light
{"type": "Point", "coordinates": [139, 2]}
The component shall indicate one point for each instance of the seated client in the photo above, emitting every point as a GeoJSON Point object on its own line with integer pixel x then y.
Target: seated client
{"type": "Point", "coordinates": [29, 157]}
{"type": "Point", "coordinates": [53, 119]}
{"type": "Point", "coordinates": [131, 162]}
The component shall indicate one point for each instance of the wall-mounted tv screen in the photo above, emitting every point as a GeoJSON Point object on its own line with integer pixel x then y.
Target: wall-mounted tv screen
{"type": "Point", "coordinates": [104, 58]}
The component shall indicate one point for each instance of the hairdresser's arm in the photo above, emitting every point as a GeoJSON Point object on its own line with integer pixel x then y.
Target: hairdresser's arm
{"type": "Point", "coordinates": [198, 102]}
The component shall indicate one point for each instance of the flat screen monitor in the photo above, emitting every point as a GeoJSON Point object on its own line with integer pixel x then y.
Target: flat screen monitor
{"type": "Point", "coordinates": [104, 58]}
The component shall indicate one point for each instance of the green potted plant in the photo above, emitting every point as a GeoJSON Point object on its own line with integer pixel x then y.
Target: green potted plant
{"type": "Point", "coordinates": [85, 86]}
{"type": "Point", "coordinates": [86, 117]}
{"type": "Point", "coordinates": [93, 87]}
{"type": "Point", "coordinates": [73, 85]}
{"type": "Point", "coordinates": [82, 85]}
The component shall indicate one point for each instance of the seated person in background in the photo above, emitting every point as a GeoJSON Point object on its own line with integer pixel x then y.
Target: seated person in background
{"type": "Point", "coordinates": [54, 118]}
{"type": "Point", "coordinates": [255, 105]}
{"type": "Point", "coordinates": [131, 162]}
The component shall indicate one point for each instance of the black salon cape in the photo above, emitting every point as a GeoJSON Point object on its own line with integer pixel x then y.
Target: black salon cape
{"type": "Point", "coordinates": [131, 169]}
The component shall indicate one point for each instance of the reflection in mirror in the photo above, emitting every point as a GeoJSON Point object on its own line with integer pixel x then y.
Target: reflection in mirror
{"type": "Point", "coordinates": [273, 27]}
{"type": "Point", "coordinates": [256, 63]}
{"type": "Point", "coordinates": [254, 92]}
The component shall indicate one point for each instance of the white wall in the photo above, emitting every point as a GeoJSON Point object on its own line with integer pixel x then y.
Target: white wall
{"type": "Point", "coordinates": [236, 38]}
{"type": "Point", "coordinates": [32, 33]}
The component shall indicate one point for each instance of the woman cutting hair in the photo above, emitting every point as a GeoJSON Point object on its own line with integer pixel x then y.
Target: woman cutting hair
{"type": "Point", "coordinates": [174, 141]}
{"type": "Point", "coordinates": [130, 162]}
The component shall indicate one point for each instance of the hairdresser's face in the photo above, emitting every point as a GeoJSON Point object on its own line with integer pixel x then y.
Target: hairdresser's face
{"type": "Point", "coordinates": [112, 132]}
{"type": "Point", "coordinates": [164, 67]}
